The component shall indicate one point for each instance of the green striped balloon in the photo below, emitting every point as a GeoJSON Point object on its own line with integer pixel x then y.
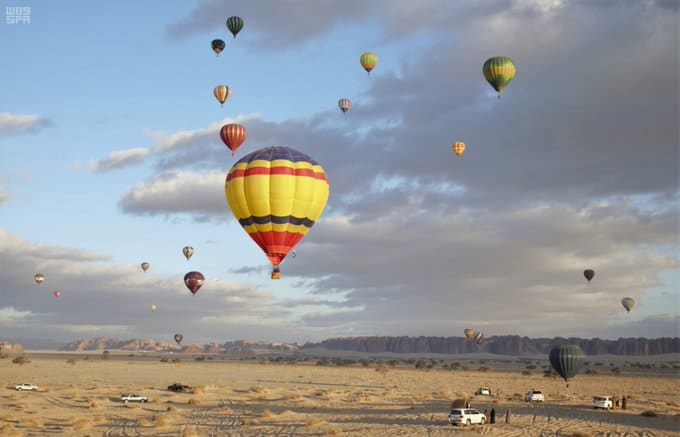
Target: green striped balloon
{"type": "Point", "coordinates": [368, 60]}
{"type": "Point", "coordinates": [235, 24]}
{"type": "Point", "coordinates": [499, 71]}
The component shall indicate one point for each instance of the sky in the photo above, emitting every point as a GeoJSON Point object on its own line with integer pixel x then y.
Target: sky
{"type": "Point", "coordinates": [110, 156]}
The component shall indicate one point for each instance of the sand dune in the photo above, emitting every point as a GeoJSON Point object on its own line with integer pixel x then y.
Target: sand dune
{"type": "Point", "coordinates": [247, 398]}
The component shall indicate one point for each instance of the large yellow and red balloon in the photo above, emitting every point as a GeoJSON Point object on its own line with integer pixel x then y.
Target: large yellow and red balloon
{"type": "Point", "coordinates": [276, 194]}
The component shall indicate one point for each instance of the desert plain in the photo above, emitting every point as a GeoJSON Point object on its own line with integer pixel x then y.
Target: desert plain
{"type": "Point", "coordinates": [79, 395]}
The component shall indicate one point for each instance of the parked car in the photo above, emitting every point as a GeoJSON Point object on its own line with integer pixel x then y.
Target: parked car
{"type": "Point", "coordinates": [466, 416]}
{"type": "Point", "coordinates": [483, 391]}
{"type": "Point", "coordinates": [604, 402]}
{"type": "Point", "coordinates": [26, 386]}
{"type": "Point", "coordinates": [133, 398]}
{"type": "Point", "coordinates": [178, 387]}
{"type": "Point", "coordinates": [534, 396]}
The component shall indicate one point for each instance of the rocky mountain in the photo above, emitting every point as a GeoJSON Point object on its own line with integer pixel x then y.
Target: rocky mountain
{"type": "Point", "coordinates": [501, 345]}
{"type": "Point", "coordinates": [241, 347]}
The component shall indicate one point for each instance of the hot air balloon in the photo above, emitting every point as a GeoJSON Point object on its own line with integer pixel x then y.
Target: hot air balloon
{"type": "Point", "coordinates": [344, 104]}
{"type": "Point", "coordinates": [188, 251]}
{"type": "Point", "coordinates": [458, 148]}
{"type": "Point", "coordinates": [178, 338]}
{"type": "Point", "coordinates": [567, 360]}
{"type": "Point", "coordinates": [217, 46]}
{"type": "Point", "coordinates": [469, 332]}
{"type": "Point", "coordinates": [57, 293]}
{"type": "Point", "coordinates": [233, 135]}
{"type": "Point", "coordinates": [368, 61]}
{"type": "Point", "coordinates": [499, 71]}
{"type": "Point", "coordinates": [145, 266]}
{"type": "Point", "coordinates": [628, 303]}
{"type": "Point", "coordinates": [194, 281]}
{"type": "Point", "coordinates": [276, 194]}
{"type": "Point", "coordinates": [589, 274]}
{"type": "Point", "coordinates": [222, 93]}
{"type": "Point", "coordinates": [153, 308]}
{"type": "Point", "coordinates": [39, 278]}
{"type": "Point", "coordinates": [234, 24]}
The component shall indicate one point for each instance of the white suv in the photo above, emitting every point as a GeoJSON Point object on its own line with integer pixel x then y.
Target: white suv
{"type": "Point", "coordinates": [466, 416]}
{"type": "Point", "coordinates": [534, 396]}
{"type": "Point", "coordinates": [604, 402]}
{"type": "Point", "coordinates": [26, 386]}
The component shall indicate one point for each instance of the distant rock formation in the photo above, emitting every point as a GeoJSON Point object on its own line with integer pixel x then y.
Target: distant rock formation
{"type": "Point", "coordinates": [501, 345]}
{"type": "Point", "coordinates": [239, 347]}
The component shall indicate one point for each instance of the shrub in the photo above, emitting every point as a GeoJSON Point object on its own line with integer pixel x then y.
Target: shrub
{"type": "Point", "coordinates": [201, 358]}
{"type": "Point", "coordinates": [71, 362]}
{"type": "Point", "coordinates": [530, 367]}
{"type": "Point", "coordinates": [485, 369]}
{"type": "Point", "coordinates": [164, 360]}
{"type": "Point", "coordinates": [550, 373]}
{"type": "Point", "coordinates": [615, 370]}
{"type": "Point", "coordinates": [23, 359]}
{"type": "Point", "coordinates": [526, 372]}
{"type": "Point", "coordinates": [590, 371]}
{"type": "Point", "coordinates": [106, 355]}
{"type": "Point", "coordinates": [459, 403]}
{"type": "Point", "coordinates": [649, 414]}
{"type": "Point", "coordinates": [382, 369]}
{"type": "Point", "coordinates": [420, 364]}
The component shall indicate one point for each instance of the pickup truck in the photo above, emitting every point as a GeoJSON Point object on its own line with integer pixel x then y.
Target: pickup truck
{"type": "Point", "coordinates": [133, 398]}
{"type": "Point", "coordinates": [26, 386]}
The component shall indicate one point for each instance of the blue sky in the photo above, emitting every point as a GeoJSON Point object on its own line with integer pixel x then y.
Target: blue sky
{"type": "Point", "coordinates": [576, 167]}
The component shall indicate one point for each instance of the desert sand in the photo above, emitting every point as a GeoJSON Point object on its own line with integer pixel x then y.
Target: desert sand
{"type": "Point", "coordinates": [262, 398]}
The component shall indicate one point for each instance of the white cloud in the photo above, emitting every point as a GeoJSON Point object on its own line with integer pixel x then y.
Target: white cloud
{"type": "Point", "coordinates": [16, 124]}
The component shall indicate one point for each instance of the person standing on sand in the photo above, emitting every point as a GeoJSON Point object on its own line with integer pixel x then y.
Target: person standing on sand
{"type": "Point", "coordinates": [486, 415]}
{"type": "Point", "coordinates": [492, 416]}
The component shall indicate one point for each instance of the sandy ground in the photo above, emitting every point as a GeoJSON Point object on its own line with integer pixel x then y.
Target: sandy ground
{"type": "Point", "coordinates": [235, 398]}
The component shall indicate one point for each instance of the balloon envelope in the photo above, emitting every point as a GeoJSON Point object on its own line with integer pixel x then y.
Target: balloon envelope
{"type": "Point", "coordinates": [233, 135]}
{"type": "Point", "coordinates": [222, 93]}
{"type": "Point", "coordinates": [368, 60]}
{"type": "Point", "coordinates": [499, 71]}
{"type": "Point", "coordinates": [194, 281]}
{"type": "Point", "coordinates": [458, 148]}
{"type": "Point", "coordinates": [276, 194]}
{"type": "Point", "coordinates": [188, 251]}
{"type": "Point", "coordinates": [469, 332]}
{"type": "Point", "coordinates": [39, 278]}
{"type": "Point", "coordinates": [178, 338]}
{"type": "Point", "coordinates": [567, 360]}
{"type": "Point", "coordinates": [153, 308]}
{"type": "Point", "coordinates": [145, 266]}
{"type": "Point", "coordinates": [628, 303]}
{"type": "Point", "coordinates": [234, 24]}
{"type": "Point", "coordinates": [344, 104]}
{"type": "Point", "coordinates": [589, 274]}
{"type": "Point", "coordinates": [217, 46]}
{"type": "Point", "coordinates": [57, 293]}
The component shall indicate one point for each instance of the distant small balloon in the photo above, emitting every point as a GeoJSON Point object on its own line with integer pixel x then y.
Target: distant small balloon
{"type": "Point", "coordinates": [178, 338]}
{"type": "Point", "coordinates": [145, 266]}
{"type": "Point", "coordinates": [57, 293]}
{"type": "Point", "coordinates": [589, 274]}
{"type": "Point", "coordinates": [458, 148]}
{"type": "Point", "coordinates": [153, 308]}
{"type": "Point", "coordinates": [628, 303]}
{"type": "Point", "coordinates": [39, 278]}
{"type": "Point", "coordinates": [344, 104]}
{"type": "Point", "coordinates": [188, 251]}
{"type": "Point", "coordinates": [217, 46]}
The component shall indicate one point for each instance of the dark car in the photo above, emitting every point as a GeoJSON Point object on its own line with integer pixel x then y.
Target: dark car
{"type": "Point", "coordinates": [178, 387]}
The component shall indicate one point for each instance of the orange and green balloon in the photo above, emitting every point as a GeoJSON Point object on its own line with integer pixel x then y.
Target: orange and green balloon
{"type": "Point", "coordinates": [369, 61]}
